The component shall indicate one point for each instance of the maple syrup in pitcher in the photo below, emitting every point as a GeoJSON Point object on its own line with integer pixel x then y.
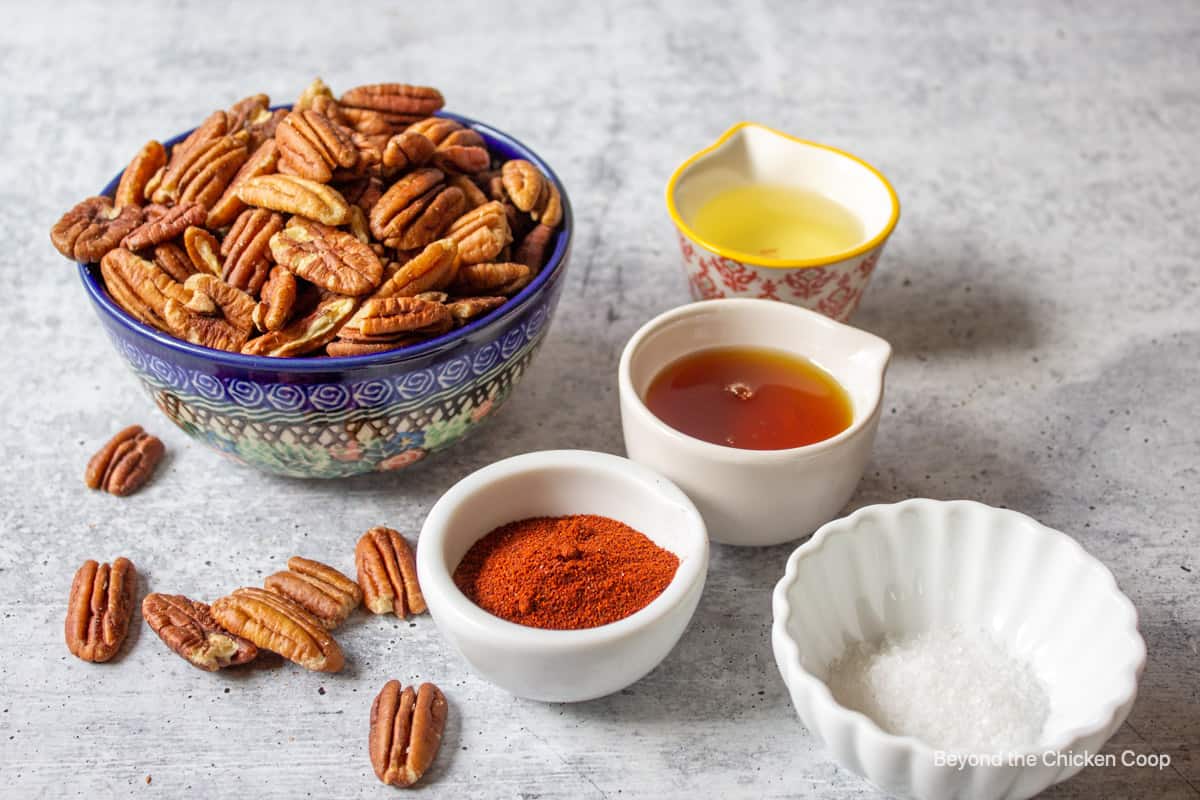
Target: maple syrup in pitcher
{"type": "Point", "coordinates": [751, 398]}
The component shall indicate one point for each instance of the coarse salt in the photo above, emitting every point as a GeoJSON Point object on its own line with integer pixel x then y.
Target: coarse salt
{"type": "Point", "coordinates": [954, 689]}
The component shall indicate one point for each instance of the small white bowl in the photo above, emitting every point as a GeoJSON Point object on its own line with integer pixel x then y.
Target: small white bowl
{"type": "Point", "coordinates": [756, 497]}
{"type": "Point", "coordinates": [909, 567]}
{"type": "Point", "coordinates": [562, 665]}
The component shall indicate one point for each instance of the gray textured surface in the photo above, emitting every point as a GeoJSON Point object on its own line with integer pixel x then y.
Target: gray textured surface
{"type": "Point", "coordinates": [1041, 293]}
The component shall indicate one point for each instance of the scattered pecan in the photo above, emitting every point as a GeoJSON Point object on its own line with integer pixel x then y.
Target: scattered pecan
{"type": "Point", "coordinates": [174, 260]}
{"type": "Point", "coordinates": [328, 257]}
{"type": "Point", "coordinates": [131, 191]}
{"type": "Point", "coordinates": [416, 210]}
{"type": "Point", "coordinates": [277, 624]}
{"type": "Point", "coordinates": [278, 299]}
{"type": "Point", "coordinates": [92, 228]}
{"type": "Point", "coordinates": [203, 249]}
{"type": "Point", "coordinates": [406, 731]}
{"type": "Point", "coordinates": [323, 591]}
{"type": "Point", "coordinates": [480, 233]}
{"type": "Point", "coordinates": [99, 609]}
{"type": "Point", "coordinates": [125, 463]}
{"type": "Point", "coordinates": [504, 278]}
{"type": "Point", "coordinates": [532, 250]}
{"type": "Point", "coordinates": [398, 102]}
{"type": "Point", "coordinates": [247, 249]}
{"type": "Point", "coordinates": [294, 195]}
{"type": "Point", "coordinates": [227, 329]}
{"type": "Point", "coordinates": [187, 627]}
{"type": "Point", "coordinates": [166, 227]}
{"type": "Point", "coordinates": [458, 148]}
{"type": "Point", "coordinates": [406, 150]}
{"type": "Point", "coordinates": [202, 172]}
{"type": "Point", "coordinates": [308, 333]}
{"type": "Point", "coordinates": [387, 573]}
{"type": "Point", "coordinates": [468, 308]}
{"type": "Point", "coordinates": [261, 162]}
{"type": "Point", "coordinates": [312, 146]}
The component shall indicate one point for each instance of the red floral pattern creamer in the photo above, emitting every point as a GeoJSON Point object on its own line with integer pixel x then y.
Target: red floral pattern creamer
{"type": "Point", "coordinates": [834, 290]}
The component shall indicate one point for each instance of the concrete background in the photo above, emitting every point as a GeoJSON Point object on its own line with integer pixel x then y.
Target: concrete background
{"type": "Point", "coordinates": [1041, 293]}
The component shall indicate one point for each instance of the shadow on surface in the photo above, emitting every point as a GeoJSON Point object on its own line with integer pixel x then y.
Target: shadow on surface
{"type": "Point", "coordinates": [949, 311]}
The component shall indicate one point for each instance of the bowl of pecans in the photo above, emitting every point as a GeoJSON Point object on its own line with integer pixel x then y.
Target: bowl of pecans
{"type": "Point", "coordinates": [339, 286]}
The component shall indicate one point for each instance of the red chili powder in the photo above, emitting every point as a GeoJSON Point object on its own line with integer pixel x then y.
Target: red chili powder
{"type": "Point", "coordinates": [564, 573]}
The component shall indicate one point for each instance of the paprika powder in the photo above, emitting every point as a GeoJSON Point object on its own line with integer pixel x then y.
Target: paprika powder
{"type": "Point", "coordinates": [564, 573]}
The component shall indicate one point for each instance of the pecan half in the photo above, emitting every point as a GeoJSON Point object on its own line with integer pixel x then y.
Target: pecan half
{"type": "Point", "coordinates": [326, 593]}
{"type": "Point", "coordinates": [311, 92]}
{"type": "Point", "coordinates": [310, 332]}
{"type": "Point", "coordinates": [125, 463]}
{"type": "Point", "coordinates": [406, 731]}
{"type": "Point", "coordinates": [504, 278]}
{"type": "Point", "coordinates": [458, 148]}
{"type": "Point", "coordinates": [226, 328]}
{"type": "Point", "coordinates": [406, 150]}
{"type": "Point", "coordinates": [99, 609]}
{"type": "Point", "coordinates": [416, 210]}
{"type": "Point", "coordinates": [481, 233]}
{"type": "Point", "coordinates": [387, 573]}
{"type": "Point", "coordinates": [92, 228]}
{"type": "Point", "coordinates": [549, 210]}
{"type": "Point", "coordinates": [430, 270]}
{"type": "Point", "coordinates": [141, 287]}
{"type": "Point", "coordinates": [328, 257]}
{"type": "Point", "coordinates": [293, 195]}
{"type": "Point", "coordinates": [203, 249]}
{"type": "Point", "coordinates": [187, 627]}
{"type": "Point", "coordinates": [131, 191]}
{"type": "Point", "coordinates": [277, 624]}
{"type": "Point", "coordinates": [523, 183]}
{"type": "Point", "coordinates": [166, 227]}
{"type": "Point", "coordinates": [262, 127]}
{"type": "Point", "coordinates": [201, 173]}
{"type": "Point", "coordinates": [398, 102]}
{"type": "Point", "coordinates": [532, 250]}
{"type": "Point", "coordinates": [278, 300]}
{"type": "Point", "coordinates": [261, 162]}
{"type": "Point", "coordinates": [174, 260]}
{"type": "Point", "coordinates": [214, 126]}
{"type": "Point", "coordinates": [391, 316]}
{"type": "Point", "coordinates": [344, 347]}
{"type": "Point", "coordinates": [468, 308]}
{"type": "Point", "coordinates": [247, 249]}
{"type": "Point", "coordinates": [312, 146]}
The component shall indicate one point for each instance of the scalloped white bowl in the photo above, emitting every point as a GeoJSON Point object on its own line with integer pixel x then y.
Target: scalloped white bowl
{"type": "Point", "coordinates": [908, 567]}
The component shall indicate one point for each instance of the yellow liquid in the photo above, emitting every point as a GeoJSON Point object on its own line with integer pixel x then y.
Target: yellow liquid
{"type": "Point", "coordinates": [773, 221]}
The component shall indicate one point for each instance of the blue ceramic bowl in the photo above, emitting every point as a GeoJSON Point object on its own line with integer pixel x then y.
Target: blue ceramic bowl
{"type": "Point", "coordinates": [332, 417]}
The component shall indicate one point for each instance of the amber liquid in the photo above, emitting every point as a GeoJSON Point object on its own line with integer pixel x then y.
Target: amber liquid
{"type": "Point", "coordinates": [752, 398]}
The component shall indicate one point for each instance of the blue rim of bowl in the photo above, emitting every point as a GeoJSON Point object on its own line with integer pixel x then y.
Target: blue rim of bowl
{"type": "Point", "coordinates": [92, 284]}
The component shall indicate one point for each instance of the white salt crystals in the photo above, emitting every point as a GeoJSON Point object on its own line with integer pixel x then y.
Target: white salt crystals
{"type": "Point", "coordinates": [955, 690]}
